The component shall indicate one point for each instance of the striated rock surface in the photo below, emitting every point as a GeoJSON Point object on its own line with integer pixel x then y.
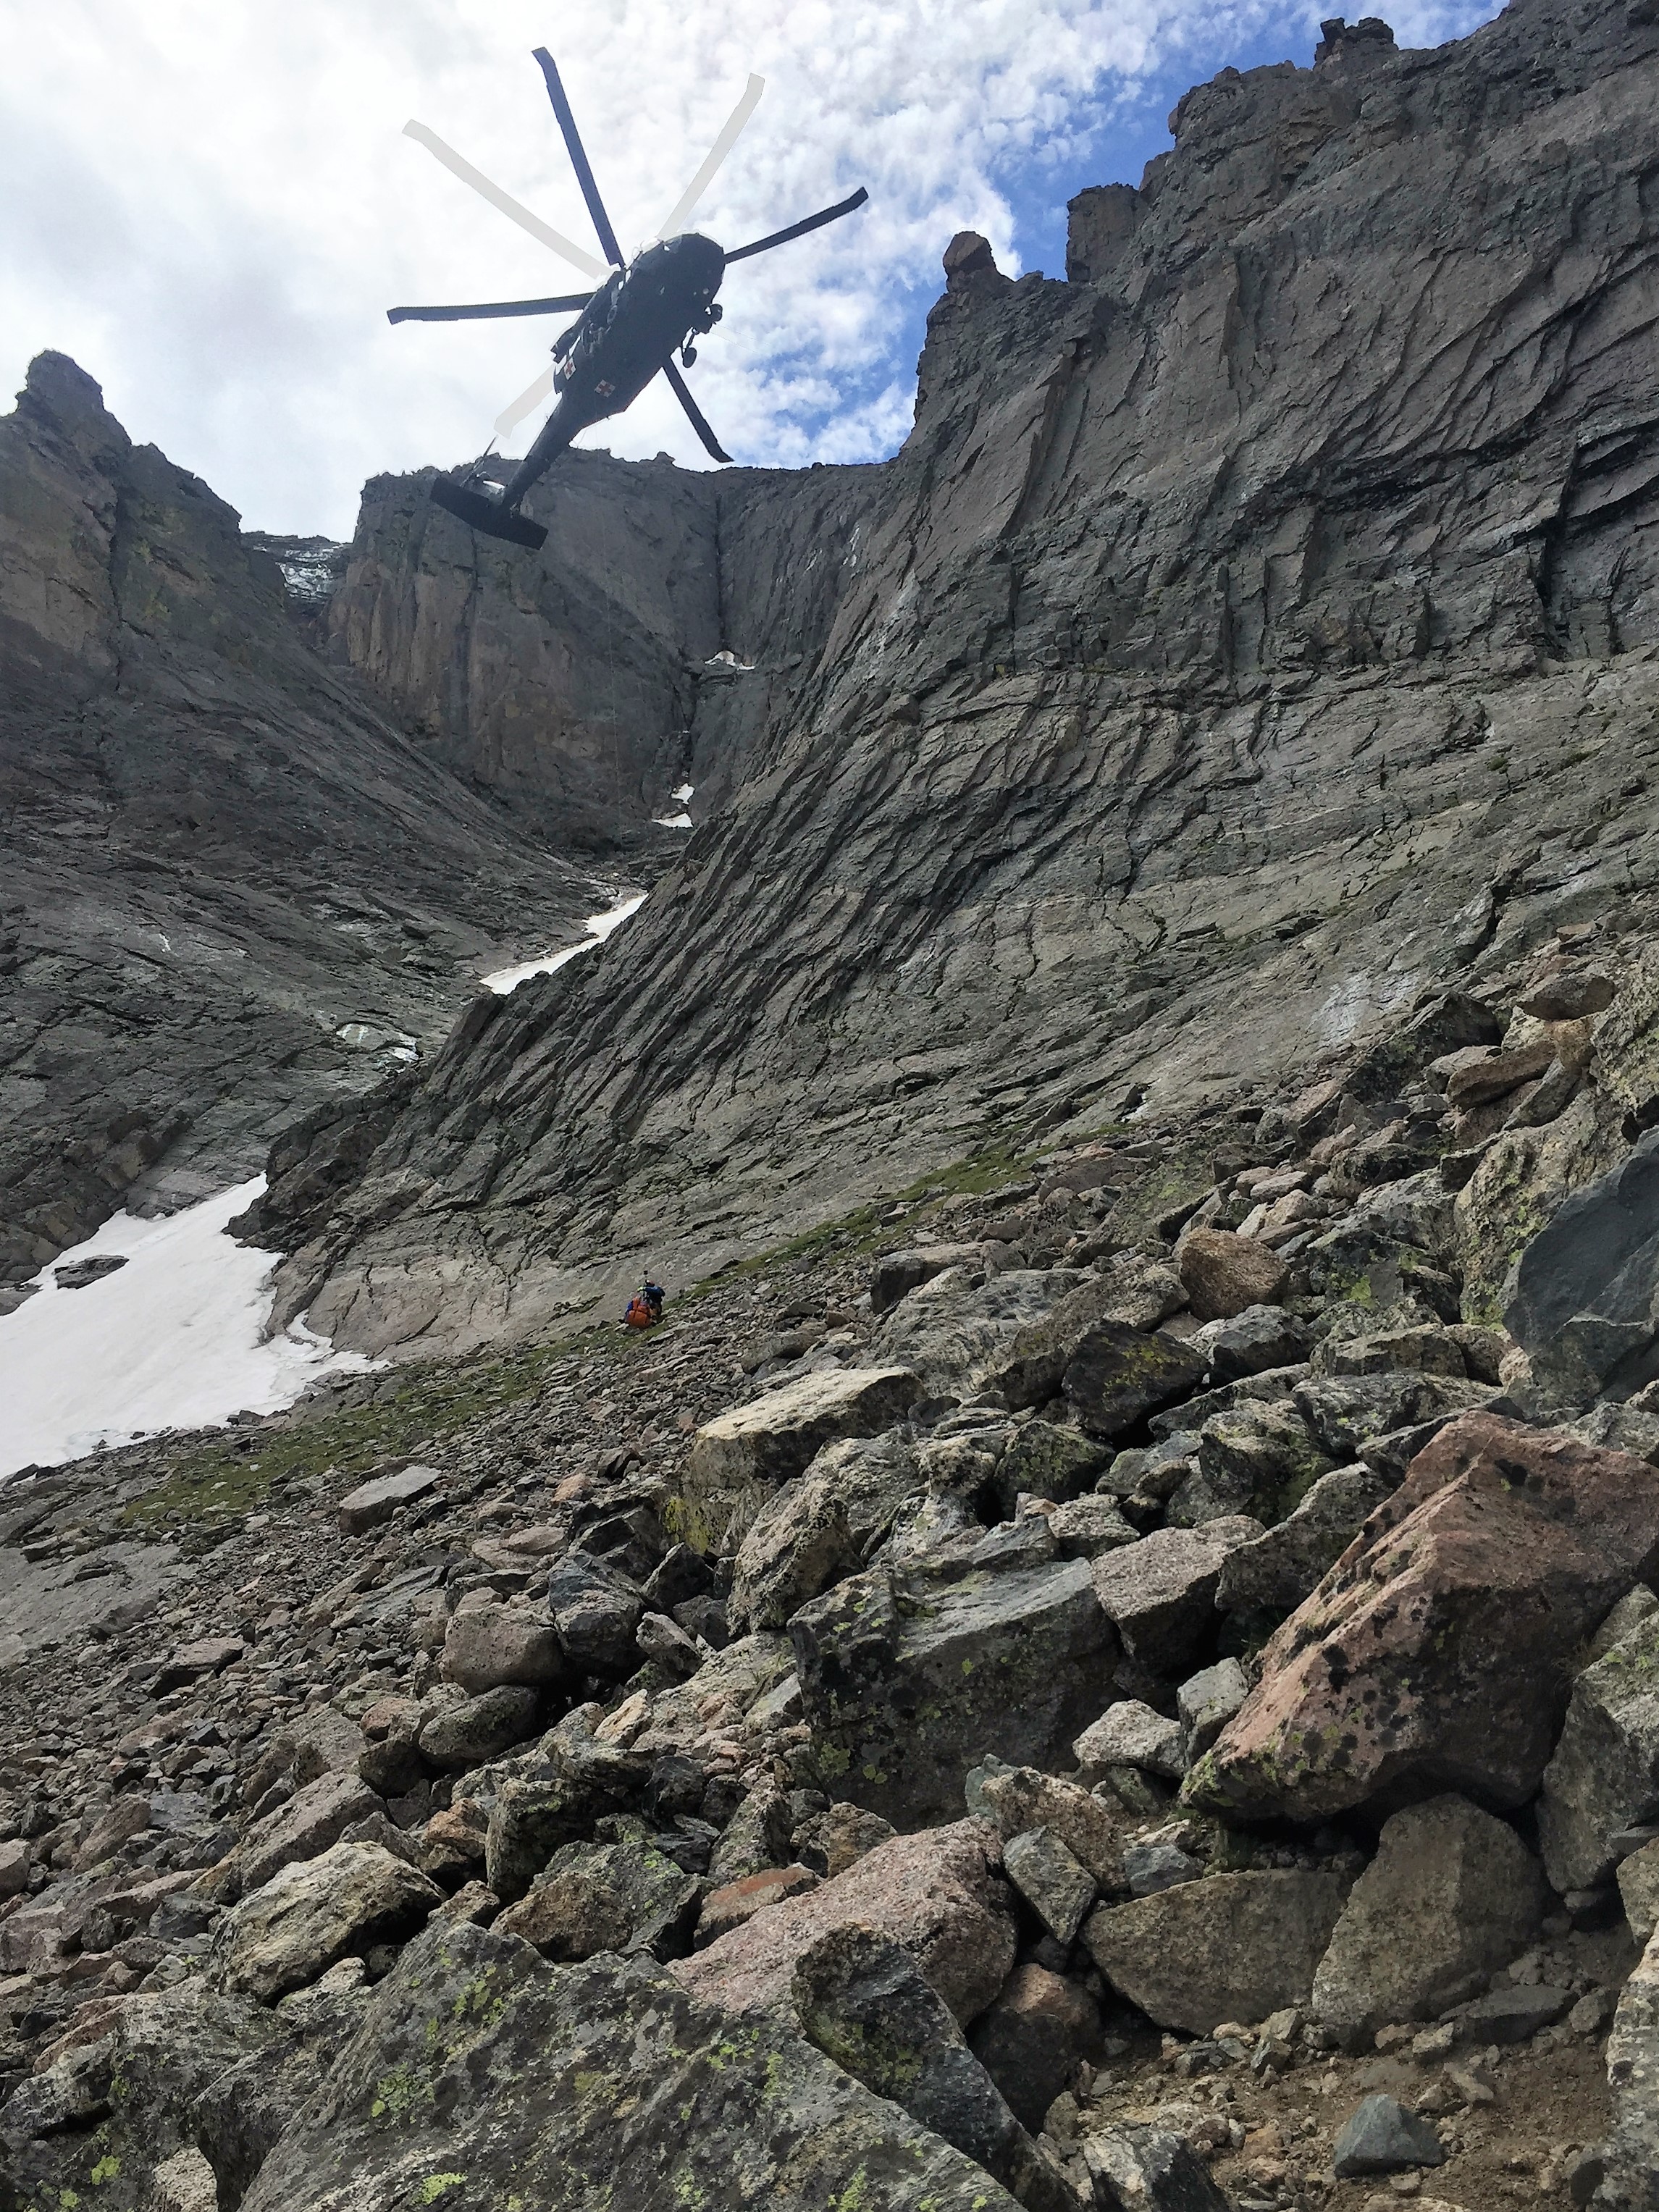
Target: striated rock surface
{"type": "Point", "coordinates": [236, 892]}
{"type": "Point", "coordinates": [1252, 629]}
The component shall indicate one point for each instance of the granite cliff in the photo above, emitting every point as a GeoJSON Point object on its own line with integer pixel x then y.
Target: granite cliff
{"type": "Point", "coordinates": [1257, 629]}
{"type": "Point", "coordinates": [234, 890]}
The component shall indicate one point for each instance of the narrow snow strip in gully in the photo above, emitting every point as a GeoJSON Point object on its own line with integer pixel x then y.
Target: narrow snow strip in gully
{"type": "Point", "coordinates": [174, 1340]}
{"type": "Point", "coordinates": [599, 927]}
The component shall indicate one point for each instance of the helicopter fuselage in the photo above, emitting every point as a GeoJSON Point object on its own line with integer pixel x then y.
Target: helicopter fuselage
{"type": "Point", "coordinates": [639, 317]}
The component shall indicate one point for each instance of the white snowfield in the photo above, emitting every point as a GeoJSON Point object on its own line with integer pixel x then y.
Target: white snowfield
{"type": "Point", "coordinates": [599, 927]}
{"type": "Point", "coordinates": [175, 1339]}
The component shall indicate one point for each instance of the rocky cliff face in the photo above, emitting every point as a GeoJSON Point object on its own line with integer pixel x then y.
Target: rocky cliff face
{"type": "Point", "coordinates": [233, 890]}
{"type": "Point", "coordinates": [1257, 628]}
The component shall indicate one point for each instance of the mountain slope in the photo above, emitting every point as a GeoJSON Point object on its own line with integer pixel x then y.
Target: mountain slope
{"type": "Point", "coordinates": [1256, 628]}
{"type": "Point", "coordinates": [234, 890]}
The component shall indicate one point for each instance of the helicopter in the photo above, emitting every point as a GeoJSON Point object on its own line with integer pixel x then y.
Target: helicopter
{"type": "Point", "coordinates": [641, 312]}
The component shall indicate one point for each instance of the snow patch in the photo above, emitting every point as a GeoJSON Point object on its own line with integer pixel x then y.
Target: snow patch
{"type": "Point", "coordinates": [175, 1339]}
{"type": "Point", "coordinates": [599, 927]}
{"type": "Point", "coordinates": [683, 792]}
{"type": "Point", "coordinates": [672, 821]}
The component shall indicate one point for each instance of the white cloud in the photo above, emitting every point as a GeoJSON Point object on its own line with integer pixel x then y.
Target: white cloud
{"type": "Point", "coordinates": [210, 204]}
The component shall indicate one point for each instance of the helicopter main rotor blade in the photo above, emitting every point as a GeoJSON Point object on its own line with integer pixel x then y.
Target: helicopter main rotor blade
{"type": "Point", "coordinates": [491, 310]}
{"type": "Point", "coordinates": [579, 161]}
{"type": "Point", "coordinates": [799, 229]}
{"type": "Point", "coordinates": [717, 152]}
{"type": "Point", "coordinates": [554, 241]}
{"type": "Point", "coordinates": [527, 401]}
{"type": "Point", "coordinates": [695, 414]}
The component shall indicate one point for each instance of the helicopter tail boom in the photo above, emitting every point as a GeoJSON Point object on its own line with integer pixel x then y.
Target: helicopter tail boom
{"type": "Point", "coordinates": [490, 515]}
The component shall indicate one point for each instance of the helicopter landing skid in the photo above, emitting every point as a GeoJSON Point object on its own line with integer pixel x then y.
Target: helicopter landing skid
{"type": "Point", "coordinates": [487, 514]}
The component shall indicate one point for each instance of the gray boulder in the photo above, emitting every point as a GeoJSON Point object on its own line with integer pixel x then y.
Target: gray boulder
{"type": "Point", "coordinates": [623, 1897]}
{"type": "Point", "coordinates": [1089, 1526]}
{"type": "Point", "coordinates": [1260, 1338]}
{"type": "Point", "coordinates": [1631, 2151]}
{"type": "Point", "coordinates": [1146, 2169]}
{"type": "Point", "coordinates": [860, 1998]}
{"type": "Point", "coordinates": [820, 1527]}
{"type": "Point", "coordinates": [1451, 1896]}
{"type": "Point", "coordinates": [1345, 1412]}
{"type": "Point", "coordinates": [1206, 1701]}
{"type": "Point", "coordinates": [1130, 1733]}
{"type": "Point", "coordinates": [1259, 1459]}
{"type": "Point", "coordinates": [1380, 2136]}
{"type": "Point", "coordinates": [1279, 1568]}
{"type": "Point", "coordinates": [1584, 1289]}
{"type": "Point", "coordinates": [1229, 1946]}
{"type": "Point", "coordinates": [1604, 1775]}
{"type": "Point", "coordinates": [906, 1677]}
{"type": "Point", "coordinates": [596, 1610]}
{"type": "Point", "coordinates": [956, 1331]}
{"type": "Point", "coordinates": [1019, 1799]}
{"type": "Point", "coordinates": [1046, 1874]}
{"type": "Point", "coordinates": [1119, 1375]}
{"type": "Point", "coordinates": [313, 1913]}
{"type": "Point", "coordinates": [550, 2082]}
{"type": "Point", "coordinates": [1133, 1292]}
{"type": "Point", "coordinates": [1046, 1461]}
{"type": "Point", "coordinates": [738, 1459]}
{"type": "Point", "coordinates": [532, 1817]}
{"type": "Point", "coordinates": [488, 1645]}
{"type": "Point", "coordinates": [1160, 1593]}
{"type": "Point", "coordinates": [466, 1734]}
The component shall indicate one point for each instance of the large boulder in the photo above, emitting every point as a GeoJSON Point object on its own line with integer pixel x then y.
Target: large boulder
{"type": "Point", "coordinates": [596, 1611]}
{"type": "Point", "coordinates": [738, 1459]}
{"type": "Point", "coordinates": [861, 1997]}
{"type": "Point", "coordinates": [1133, 1291]}
{"type": "Point", "coordinates": [1452, 1895]}
{"type": "Point", "coordinates": [1118, 1375]}
{"type": "Point", "coordinates": [482, 2069]}
{"type": "Point", "coordinates": [1631, 2151]}
{"type": "Point", "coordinates": [820, 1527]}
{"type": "Point", "coordinates": [1437, 1652]}
{"type": "Point", "coordinates": [1160, 1593]}
{"type": "Point", "coordinates": [1605, 1773]}
{"type": "Point", "coordinates": [1223, 1274]}
{"type": "Point", "coordinates": [1274, 1573]}
{"type": "Point", "coordinates": [1032, 2037]}
{"type": "Point", "coordinates": [311, 1914]}
{"type": "Point", "coordinates": [957, 1331]}
{"type": "Point", "coordinates": [1583, 1303]}
{"type": "Point", "coordinates": [907, 1678]}
{"type": "Point", "coordinates": [939, 1894]}
{"type": "Point", "coordinates": [533, 1816]}
{"type": "Point", "coordinates": [1227, 1946]}
{"type": "Point", "coordinates": [312, 1819]}
{"type": "Point", "coordinates": [488, 1645]}
{"type": "Point", "coordinates": [477, 1729]}
{"type": "Point", "coordinates": [621, 1897]}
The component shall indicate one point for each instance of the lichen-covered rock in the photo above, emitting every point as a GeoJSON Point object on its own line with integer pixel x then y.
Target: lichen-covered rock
{"type": "Point", "coordinates": [1133, 1292]}
{"type": "Point", "coordinates": [312, 1819]}
{"type": "Point", "coordinates": [93, 2127]}
{"type": "Point", "coordinates": [907, 1678]}
{"type": "Point", "coordinates": [1020, 1798]}
{"type": "Point", "coordinates": [621, 1897]}
{"type": "Point", "coordinates": [532, 1817]}
{"type": "Point", "coordinates": [596, 1610]}
{"type": "Point", "coordinates": [1274, 1573]}
{"type": "Point", "coordinates": [940, 1893]}
{"type": "Point", "coordinates": [860, 1997]}
{"type": "Point", "coordinates": [957, 1331]}
{"type": "Point", "coordinates": [740, 1457]}
{"type": "Point", "coordinates": [1452, 1895]}
{"type": "Point", "coordinates": [1259, 1459]}
{"type": "Point", "coordinates": [1160, 1593]}
{"type": "Point", "coordinates": [1584, 1287]}
{"type": "Point", "coordinates": [1605, 1772]}
{"type": "Point", "coordinates": [1438, 1648]}
{"type": "Point", "coordinates": [1228, 1947]}
{"type": "Point", "coordinates": [1118, 1375]}
{"type": "Point", "coordinates": [820, 1527]}
{"type": "Point", "coordinates": [309, 1915]}
{"type": "Point", "coordinates": [484, 2071]}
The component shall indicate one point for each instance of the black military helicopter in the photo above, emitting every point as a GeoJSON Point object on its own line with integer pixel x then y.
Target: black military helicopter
{"type": "Point", "coordinates": [640, 313]}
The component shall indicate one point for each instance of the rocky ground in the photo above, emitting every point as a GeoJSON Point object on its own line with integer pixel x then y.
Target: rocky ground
{"type": "Point", "coordinates": [1120, 1677]}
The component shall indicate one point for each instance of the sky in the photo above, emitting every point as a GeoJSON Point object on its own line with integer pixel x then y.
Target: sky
{"type": "Point", "coordinates": [209, 203]}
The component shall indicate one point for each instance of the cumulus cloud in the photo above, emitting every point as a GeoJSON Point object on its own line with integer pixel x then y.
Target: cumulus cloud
{"type": "Point", "coordinates": [211, 207]}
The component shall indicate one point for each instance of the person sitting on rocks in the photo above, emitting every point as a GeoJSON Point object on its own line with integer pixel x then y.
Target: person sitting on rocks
{"type": "Point", "coordinates": [644, 1307]}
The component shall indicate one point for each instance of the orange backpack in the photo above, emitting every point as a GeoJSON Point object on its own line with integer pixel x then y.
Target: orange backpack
{"type": "Point", "coordinates": [639, 1314]}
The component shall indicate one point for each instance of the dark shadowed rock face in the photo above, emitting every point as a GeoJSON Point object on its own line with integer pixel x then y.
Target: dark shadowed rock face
{"type": "Point", "coordinates": [232, 891]}
{"type": "Point", "coordinates": [1253, 631]}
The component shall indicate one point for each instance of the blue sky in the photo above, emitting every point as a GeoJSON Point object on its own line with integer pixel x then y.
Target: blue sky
{"type": "Point", "coordinates": [211, 205]}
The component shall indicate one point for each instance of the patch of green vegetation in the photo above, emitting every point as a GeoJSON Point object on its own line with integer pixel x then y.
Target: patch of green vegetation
{"type": "Point", "coordinates": [214, 1486]}
{"type": "Point", "coordinates": [397, 2094]}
